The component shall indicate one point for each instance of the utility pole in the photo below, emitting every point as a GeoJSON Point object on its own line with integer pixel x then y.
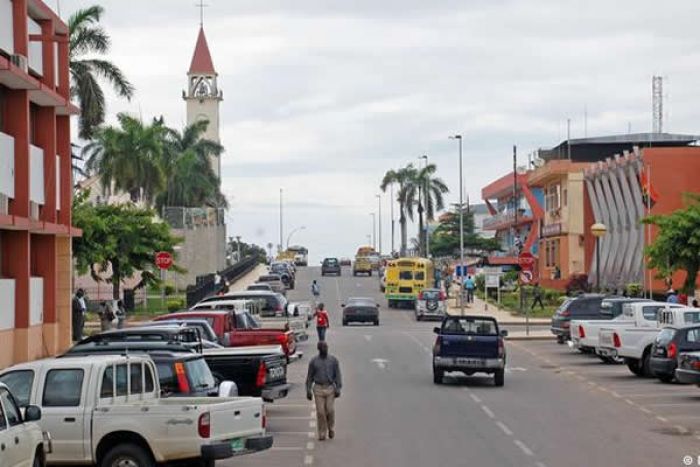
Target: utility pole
{"type": "Point", "coordinates": [281, 223]}
{"type": "Point", "coordinates": [238, 247]}
{"type": "Point", "coordinates": [379, 203]}
{"type": "Point", "coordinates": [391, 205]}
{"type": "Point", "coordinates": [425, 211]}
{"type": "Point", "coordinates": [374, 230]}
{"type": "Point", "coordinates": [516, 236]}
{"type": "Point", "coordinates": [461, 228]}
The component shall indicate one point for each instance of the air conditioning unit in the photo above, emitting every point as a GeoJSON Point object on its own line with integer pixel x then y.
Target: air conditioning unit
{"type": "Point", "coordinates": [4, 204]}
{"type": "Point", "coordinates": [20, 61]}
{"type": "Point", "coordinates": [33, 210]}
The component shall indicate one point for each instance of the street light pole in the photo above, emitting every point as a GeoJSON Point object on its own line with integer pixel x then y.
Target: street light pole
{"type": "Point", "coordinates": [374, 230]}
{"type": "Point", "coordinates": [461, 227]}
{"type": "Point", "coordinates": [425, 210]}
{"type": "Point", "coordinates": [598, 230]}
{"type": "Point", "coordinates": [391, 205]}
{"type": "Point", "coordinates": [281, 222]}
{"type": "Point", "coordinates": [303, 227]}
{"type": "Point", "coordinates": [379, 204]}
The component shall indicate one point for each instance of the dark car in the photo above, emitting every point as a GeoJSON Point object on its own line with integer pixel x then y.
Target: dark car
{"type": "Point", "coordinates": [286, 273]}
{"type": "Point", "coordinates": [330, 266]}
{"type": "Point", "coordinates": [469, 344]}
{"type": "Point", "coordinates": [360, 310]}
{"type": "Point", "coordinates": [669, 344]}
{"type": "Point", "coordinates": [586, 306]}
{"type": "Point", "coordinates": [688, 371]}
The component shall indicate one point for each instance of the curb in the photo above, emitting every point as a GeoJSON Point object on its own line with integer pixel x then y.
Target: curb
{"type": "Point", "coordinates": [530, 338]}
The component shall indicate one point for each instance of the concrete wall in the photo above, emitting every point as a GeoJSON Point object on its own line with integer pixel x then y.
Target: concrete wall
{"type": "Point", "coordinates": [203, 251]}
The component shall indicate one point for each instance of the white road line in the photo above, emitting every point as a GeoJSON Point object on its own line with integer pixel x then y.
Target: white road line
{"type": "Point", "coordinates": [523, 447]}
{"type": "Point", "coordinates": [681, 429]}
{"type": "Point", "coordinates": [475, 398]}
{"type": "Point", "coordinates": [488, 411]}
{"type": "Point", "coordinates": [504, 428]}
{"type": "Point", "coordinates": [540, 464]}
{"type": "Point", "coordinates": [312, 424]}
{"type": "Point", "coordinates": [311, 434]}
{"type": "Point", "coordinates": [662, 419]}
{"type": "Point", "coordinates": [285, 448]}
{"type": "Point", "coordinates": [418, 341]}
{"type": "Point", "coordinates": [695, 404]}
{"type": "Point", "coordinates": [310, 446]}
{"type": "Point", "coordinates": [308, 460]}
{"type": "Point", "coordinates": [645, 410]}
{"type": "Point", "coordinates": [284, 417]}
{"type": "Point", "coordinates": [368, 337]}
{"type": "Point", "coordinates": [630, 402]}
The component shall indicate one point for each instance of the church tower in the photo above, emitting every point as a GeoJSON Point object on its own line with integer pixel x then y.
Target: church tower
{"type": "Point", "coordinates": [203, 94]}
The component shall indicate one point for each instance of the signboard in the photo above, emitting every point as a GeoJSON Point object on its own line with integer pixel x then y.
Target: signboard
{"type": "Point", "coordinates": [164, 260]}
{"type": "Point", "coordinates": [526, 277]}
{"type": "Point", "coordinates": [526, 261]}
{"type": "Point", "coordinates": [491, 270]}
{"type": "Point", "coordinates": [492, 281]}
{"type": "Point", "coordinates": [551, 230]}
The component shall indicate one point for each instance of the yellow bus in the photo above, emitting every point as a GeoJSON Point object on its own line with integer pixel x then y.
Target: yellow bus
{"type": "Point", "coordinates": [406, 278]}
{"type": "Point", "coordinates": [364, 251]}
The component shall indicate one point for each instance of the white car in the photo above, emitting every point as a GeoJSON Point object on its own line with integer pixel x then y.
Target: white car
{"type": "Point", "coordinates": [22, 442]}
{"type": "Point", "coordinates": [107, 410]}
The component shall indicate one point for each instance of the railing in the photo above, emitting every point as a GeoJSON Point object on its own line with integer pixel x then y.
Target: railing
{"type": "Point", "coordinates": [36, 175]}
{"type": "Point", "coordinates": [7, 164]}
{"type": "Point", "coordinates": [192, 218]}
{"type": "Point", "coordinates": [7, 303]}
{"type": "Point", "coordinates": [36, 300]}
{"type": "Point", "coordinates": [206, 285]}
{"type": "Point", "coordinates": [504, 219]}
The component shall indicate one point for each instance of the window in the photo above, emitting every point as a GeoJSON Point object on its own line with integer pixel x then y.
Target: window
{"type": "Point", "coordinates": [484, 327]}
{"type": "Point", "coordinates": [650, 313]}
{"type": "Point", "coordinates": [199, 375]}
{"type": "Point", "coordinates": [62, 388]}
{"type": "Point", "coordinates": [420, 275]}
{"type": "Point", "coordinates": [405, 275]}
{"type": "Point", "coordinates": [12, 413]}
{"type": "Point", "coordinates": [166, 376]}
{"type": "Point", "coordinates": [107, 389]}
{"type": "Point", "coordinates": [693, 335]}
{"type": "Point", "coordinates": [20, 384]}
{"type": "Point", "coordinates": [3, 422]}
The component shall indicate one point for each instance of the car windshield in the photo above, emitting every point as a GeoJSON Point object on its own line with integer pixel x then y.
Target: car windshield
{"type": "Point", "coordinates": [199, 375]}
{"type": "Point", "coordinates": [431, 295]}
{"type": "Point", "coordinates": [478, 326]}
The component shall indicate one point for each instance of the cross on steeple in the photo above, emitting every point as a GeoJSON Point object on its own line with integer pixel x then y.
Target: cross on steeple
{"type": "Point", "coordinates": [201, 5]}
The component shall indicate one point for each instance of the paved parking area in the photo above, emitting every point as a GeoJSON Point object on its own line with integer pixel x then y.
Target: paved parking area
{"type": "Point", "coordinates": [675, 407]}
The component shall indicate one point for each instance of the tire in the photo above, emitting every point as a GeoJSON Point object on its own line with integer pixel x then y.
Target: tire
{"type": "Point", "coordinates": [345, 323]}
{"type": "Point", "coordinates": [560, 340]}
{"type": "Point", "coordinates": [38, 458]}
{"type": "Point", "coordinates": [634, 367]}
{"type": "Point", "coordinates": [499, 378]}
{"type": "Point", "coordinates": [438, 375]}
{"type": "Point", "coordinates": [646, 364]}
{"type": "Point", "coordinates": [666, 378]}
{"type": "Point", "coordinates": [376, 322]}
{"type": "Point", "coordinates": [127, 452]}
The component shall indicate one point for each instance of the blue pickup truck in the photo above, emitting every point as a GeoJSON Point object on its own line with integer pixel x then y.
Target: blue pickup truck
{"type": "Point", "coordinates": [469, 344]}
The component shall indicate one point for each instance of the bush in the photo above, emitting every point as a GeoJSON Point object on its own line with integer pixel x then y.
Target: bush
{"type": "Point", "coordinates": [577, 283]}
{"type": "Point", "coordinates": [634, 290]}
{"type": "Point", "coordinates": [174, 304]}
{"type": "Point", "coordinates": [169, 289]}
{"type": "Point", "coordinates": [479, 282]}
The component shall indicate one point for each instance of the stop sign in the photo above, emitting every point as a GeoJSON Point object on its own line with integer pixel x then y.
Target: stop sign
{"type": "Point", "coordinates": [526, 261]}
{"type": "Point", "coordinates": [164, 260]}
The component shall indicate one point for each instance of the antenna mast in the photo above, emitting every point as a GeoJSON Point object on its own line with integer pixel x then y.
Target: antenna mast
{"type": "Point", "coordinates": [657, 104]}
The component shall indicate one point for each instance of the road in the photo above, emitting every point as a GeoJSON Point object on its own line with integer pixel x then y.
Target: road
{"type": "Point", "coordinates": [557, 408]}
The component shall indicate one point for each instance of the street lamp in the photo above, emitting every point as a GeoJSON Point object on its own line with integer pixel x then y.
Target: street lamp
{"type": "Point", "coordinates": [379, 205]}
{"type": "Point", "coordinates": [374, 230]}
{"type": "Point", "coordinates": [425, 210]}
{"type": "Point", "coordinates": [238, 247]}
{"type": "Point", "coordinates": [598, 230]}
{"type": "Point", "coordinates": [303, 227]}
{"type": "Point", "coordinates": [461, 223]}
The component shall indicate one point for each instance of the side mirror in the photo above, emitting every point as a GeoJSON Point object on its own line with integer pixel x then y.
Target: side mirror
{"type": "Point", "coordinates": [436, 330]}
{"type": "Point", "coordinates": [32, 413]}
{"type": "Point", "coordinates": [228, 389]}
{"type": "Point", "coordinates": [504, 333]}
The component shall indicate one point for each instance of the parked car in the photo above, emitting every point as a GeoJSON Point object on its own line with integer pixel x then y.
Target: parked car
{"type": "Point", "coordinates": [688, 371]}
{"type": "Point", "coordinates": [274, 281]}
{"type": "Point", "coordinates": [586, 306]}
{"type": "Point", "coordinates": [260, 287]}
{"type": "Point", "coordinates": [274, 302]}
{"type": "Point", "coordinates": [469, 344]}
{"type": "Point", "coordinates": [201, 325]}
{"type": "Point", "coordinates": [166, 333]}
{"type": "Point", "coordinates": [670, 342]}
{"type": "Point", "coordinates": [286, 271]}
{"type": "Point", "coordinates": [22, 441]}
{"type": "Point", "coordinates": [431, 303]}
{"type": "Point", "coordinates": [345, 261]}
{"type": "Point", "coordinates": [331, 266]}
{"type": "Point", "coordinates": [584, 333]}
{"type": "Point", "coordinates": [107, 410]}
{"type": "Point", "coordinates": [360, 310]}
{"type": "Point", "coordinates": [301, 309]}
{"type": "Point", "coordinates": [362, 265]}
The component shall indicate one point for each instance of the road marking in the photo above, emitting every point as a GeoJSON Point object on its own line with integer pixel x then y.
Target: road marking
{"type": "Point", "coordinates": [682, 430]}
{"type": "Point", "coordinates": [475, 398]}
{"type": "Point", "coordinates": [662, 419]}
{"type": "Point", "coordinates": [308, 460]}
{"type": "Point", "coordinates": [312, 424]}
{"type": "Point", "coordinates": [417, 341]}
{"type": "Point", "coordinates": [310, 446]}
{"type": "Point", "coordinates": [630, 402]}
{"type": "Point", "coordinates": [645, 410]}
{"type": "Point", "coordinates": [615, 394]}
{"type": "Point", "coordinates": [381, 363]}
{"type": "Point", "coordinates": [523, 447]}
{"type": "Point", "coordinates": [504, 428]}
{"type": "Point", "coordinates": [311, 434]}
{"type": "Point", "coordinates": [488, 411]}
{"type": "Point", "coordinates": [285, 448]}
{"type": "Point", "coordinates": [368, 337]}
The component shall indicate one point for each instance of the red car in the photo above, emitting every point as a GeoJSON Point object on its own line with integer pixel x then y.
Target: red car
{"type": "Point", "coordinates": [239, 329]}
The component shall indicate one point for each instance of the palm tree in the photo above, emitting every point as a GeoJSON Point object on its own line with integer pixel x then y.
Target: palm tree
{"type": "Point", "coordinates": [402, 178]}
{"type": "Point", "coordinates": [87, 37]}
{"type": "Point", "coordinates": [129, 158]}
{"type": "Point", "coordinates": [430, 191]}
{"type": "Point", "coordinates": [190, 179]}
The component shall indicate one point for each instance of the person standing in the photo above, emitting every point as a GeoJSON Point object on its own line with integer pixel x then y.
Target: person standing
{"type": "Point", "coordinates": [121, 314]}
{"type": "Point", "coordinates": [106, 316]}
{"type": "Point", "coordinates": [470, 285]}
{"type": "Point", "coordinates": [323, 384]}
{"type": "Point", "coordinates": [537, 292]}
{"type": "Point", "coordinates": [78, 309]}
{"type": "Point", "coordinates": [671, 296]}
{"type": "Point", "coordinates": [322, 322]}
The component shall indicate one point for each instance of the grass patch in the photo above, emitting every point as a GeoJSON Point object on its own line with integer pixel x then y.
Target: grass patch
{"type": "Point", "coordinates": [510, 301]}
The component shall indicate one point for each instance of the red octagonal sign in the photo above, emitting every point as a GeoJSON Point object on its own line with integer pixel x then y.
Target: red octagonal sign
{"type": "Point", "coordinates": [164, 260]}
{"type": "Point", "coordinates": [526, 261]}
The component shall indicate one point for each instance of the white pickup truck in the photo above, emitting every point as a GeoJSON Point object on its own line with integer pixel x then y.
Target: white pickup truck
{"type": "Point", "coordinates": [22, 442]}
{"type": "Point", "coordinates": [634, 344]}
{"type": "Point", "coordinates": [107, 410]}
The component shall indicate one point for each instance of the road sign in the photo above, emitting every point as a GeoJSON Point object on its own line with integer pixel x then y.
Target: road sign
{"type": "Point", "coordinates": [526, 261]}
{"type": "Point", "coordinates": [164, 260]}
{"type": "Point", "coordinates": [492, 280]}
{"type": "Point", "coordinates": [526, 277]}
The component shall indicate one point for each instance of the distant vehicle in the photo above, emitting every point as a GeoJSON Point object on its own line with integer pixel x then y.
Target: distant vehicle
{"type": "Point", "coordinates": [286, 272]}
{"type": "Point", "coordinates": [431, 303]}
{"type": "Point", "coordinates": [583, 307]}
{"type": "Point", "coordinates": [261, 287]}
{"type": "Point", "coordinates": [301, 255]}
{"type": "Point", "coordinates": [688, 371]}
{"type": "Point", "coordinates": [362, 265]}
{"type": "Point", "coordinates": [330, 266]}
{"type": "Point", "coordinates": [382, 281]}
{"type": "Point", "coordinates": [22, 440]}
{"type": "Point", "coordinates": [364, 251]}
{"type": "Point", "coordinates": [344, 261]}
{"type": "Point", "coordinates": [669, 344]}
{"type": "Point", "coordinates": [406, 278]}
{"type": "Point", "coordinates": [301, 309]}
{"type": "Point", "coordinates": [375, 260]}
{"type": "Point", "coordinates": [469, 344]}
{"type": "Point", "coordinates": [274, 281]}
{"type": "Point", "coordinates": [360, 310]}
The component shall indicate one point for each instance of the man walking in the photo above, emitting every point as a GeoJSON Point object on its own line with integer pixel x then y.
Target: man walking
{"type": "Point", "coordinates": [78, 309]}
{"type": "Point", "coordinates": [322, 322]}
{"type": "Point", "coordinates": [537, 292]}
{"type": "Point", "coordinates": [323, 383]}
{"type": "Point", "coordinates": [315, 289]}
{"type": "Point", "coordinates": [470, 285]}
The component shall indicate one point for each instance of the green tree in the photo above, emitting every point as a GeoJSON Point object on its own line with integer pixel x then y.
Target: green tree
{"type": "Point", "coordinates": [444, 241]}
{"type": "Point", "coordinates": [403, 178]}
{"type": "Point", "coordinates": [677, 244]}
{"type": "Point", "coordinates": [87, 41]}
{"type": "Point", "coordinates": [426, 191]}
{"type": "Point", "coordinates": [129, 158]}
{"type": "Point", "coordinates": [119, 241]}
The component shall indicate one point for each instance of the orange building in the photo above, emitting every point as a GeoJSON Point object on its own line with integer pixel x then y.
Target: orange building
{"type": "Point", "coordinates": [35, 182]}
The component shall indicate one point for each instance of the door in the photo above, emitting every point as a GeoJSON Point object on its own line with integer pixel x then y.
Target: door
{"type": "Point", "coordinates": [62, 397]}
{"type": "Point", "coordinates": [691, 342]}
{"type": "Point", "coordinates": [14, 448]}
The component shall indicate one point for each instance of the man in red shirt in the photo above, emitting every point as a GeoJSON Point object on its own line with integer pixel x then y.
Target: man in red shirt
{"type": "Point", "coordinates": [322, 322]}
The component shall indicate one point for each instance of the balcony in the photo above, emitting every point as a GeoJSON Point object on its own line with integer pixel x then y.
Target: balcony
{"type": "Point", "coordinates": [7, 303]}
{"type": "Point", "coordinates": [7, 42]}
{"type": "Point", "coordinates": [506, 219]}
{"type": "Point", "coordinates": [36, 300]}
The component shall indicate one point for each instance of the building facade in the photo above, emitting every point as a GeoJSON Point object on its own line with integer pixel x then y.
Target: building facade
{"type": "Point", "coordinates": [35, 182]}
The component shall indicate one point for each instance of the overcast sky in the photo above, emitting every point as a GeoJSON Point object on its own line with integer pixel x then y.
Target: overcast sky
{"type": "Point", "coordinates": [321, 97]}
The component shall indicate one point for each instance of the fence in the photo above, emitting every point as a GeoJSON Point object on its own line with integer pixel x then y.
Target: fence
{"type": "Point", "coordinates": [207, 285]}
{"type": "Point", "coordinates": [192, 218]}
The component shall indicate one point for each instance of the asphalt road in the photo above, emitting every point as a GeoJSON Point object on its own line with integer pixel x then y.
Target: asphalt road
{"type": "Point", "coordinates": [557, 408]}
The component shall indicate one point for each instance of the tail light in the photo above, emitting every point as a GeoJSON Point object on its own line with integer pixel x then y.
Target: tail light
{"type": "Point", "coordinates": [283, 340]}
{"type": "Point", "coordinates": [696, 365]}
{"type": "Point", "coordinates": [438, 342]}
{"type": "Point", "coordinates": [278, 307]}
{"type": "Point", "coordinates": [501, 348]}
{"type": "Point", "coordinates": [261, 376]}
{"type": "Point", "coordinates": [672, 350]}
{"type": "Point", "coordinates": [182, 383]}
{"type": "Point", "coordinates": [420, 296]}
{"type": "Point", "coordinates": [581, 332]}
{"type": "Point", "coordinates": [616, 341]}
{"type": "Point", "coordinates": [204, 425]}
{"type": "Point", "coordinates": [442, 295]}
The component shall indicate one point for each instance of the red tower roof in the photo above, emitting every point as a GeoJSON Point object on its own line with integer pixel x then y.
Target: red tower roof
{"type": "Point", "coordinates": [201, 60]}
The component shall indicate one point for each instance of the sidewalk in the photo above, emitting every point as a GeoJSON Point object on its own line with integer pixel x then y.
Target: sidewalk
{"type": "Point", "coordinates": [502, 316]}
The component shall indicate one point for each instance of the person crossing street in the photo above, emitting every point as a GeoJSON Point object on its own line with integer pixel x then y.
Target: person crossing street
{"type": "Point", "coordinates": [323, 384]}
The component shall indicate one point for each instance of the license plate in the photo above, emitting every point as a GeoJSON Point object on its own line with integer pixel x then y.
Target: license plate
{"type": "Point", "coordinates": [605, 339]}
{"type": "Point", "coordinates": [470, 362]}
{"type": "Point", "coordinates": [237, 445]}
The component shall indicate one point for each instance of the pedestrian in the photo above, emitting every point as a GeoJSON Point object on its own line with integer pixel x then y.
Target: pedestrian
{"type": "Point", "coordinates": [315, 289]}
{"type": "Point", "coordinates": [78, 309]}
{"type": "Point", "coordinates": [323, 384]}
{"type": "Point", "coordinates": [121, 314]}
{"type": "Point", "coordinates": [106, 315]}
{"type": "Point", "coordinates": [470, 285]}
{"type": "Point", "coordinates": [537, 292]}
{"type": "Point", "coordinates": [322, 322]}
{"type": "Point", "coordinates": [671, 296]}
{"type": "Point", "coordinates": [695, 303]}
{"type": "Point", "coordinates": [448, 282]}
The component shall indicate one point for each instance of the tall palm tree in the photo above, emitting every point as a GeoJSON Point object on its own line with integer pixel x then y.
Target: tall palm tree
{"type": "Point", "coordinates": [427, 191]}
{"type": "Point", "coordinates": [88, 38]}
{"type": "Point", "coordinates": [402, 178]}
{"type": "Point", "coordinates": [128, 158]}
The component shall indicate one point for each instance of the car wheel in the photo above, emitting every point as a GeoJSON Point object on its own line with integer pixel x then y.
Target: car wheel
{"type": "Point", "coordinates": [666, 378]}
{"type": "Point", "coordinates": [38, 458]}
{"type": "Point", "coordinates": [646, 364]}
{"type": "Point", "coordinates": [376, 322]}
{"type": "Point", "coordinates": [499, 378]}
{"type": "Point", "coordinates": [127, 454]}
{"type": "Point", "coordinates": [438, 375]}
{"type": "Point", "coordinates": [560, 339]}
{"type": "Point", "coordinates": [634, 366]}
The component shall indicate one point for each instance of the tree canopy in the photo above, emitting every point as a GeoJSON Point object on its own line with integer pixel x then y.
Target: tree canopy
{"type": "Point", "coordinates": [444, 240]}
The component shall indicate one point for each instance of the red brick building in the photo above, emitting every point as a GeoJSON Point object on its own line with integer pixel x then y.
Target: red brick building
{"type": "Point", "coordinates": [35, 182]}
